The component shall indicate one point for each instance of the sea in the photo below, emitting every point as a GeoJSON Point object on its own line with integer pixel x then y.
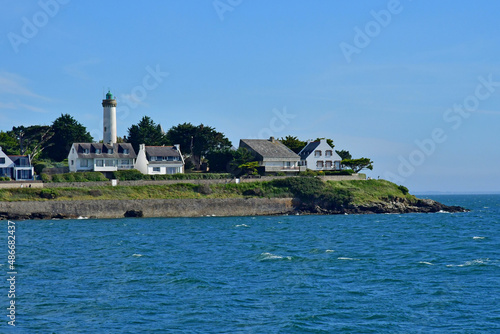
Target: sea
{"type": "Point", "coordinates": [386, 273]}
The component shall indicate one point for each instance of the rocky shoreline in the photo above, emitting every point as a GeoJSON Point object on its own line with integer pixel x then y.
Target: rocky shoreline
{"type": "Point", "coordinates": [206, 207]}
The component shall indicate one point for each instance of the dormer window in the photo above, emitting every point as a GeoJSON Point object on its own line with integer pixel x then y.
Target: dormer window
{"type": "Point", "coordinates": [126, 151]}
{"type": "Point", "coordinates": [85, 151]}
{"type": "Point", "coordinates": [110, 151]}
{"type": "Point", "coordinates": [153, 158]}
{"type": "Point", "coordinates": [98, 151]}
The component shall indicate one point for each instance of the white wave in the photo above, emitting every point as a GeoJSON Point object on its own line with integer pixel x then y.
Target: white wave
{"type": "Point", "coordinates": [425, 262]}
{"type": "Point", "coordinates": [347, 259]}
{"type": "Point", "coordinates": [475, 238]}
{"type": "Point", "coordinates": [80, 217]}
{"type": "Point", "coordinates": [470, 263]}
{"type": "Point", "coordinates": [241, 225]}
{"type": "Point", "coordinates": [442, 211]}
{"type": "Point", "coordinates": [329, 251]}
{"type": "Point", "coordinates": [137, 255]}
{"type": "Point", "coordinates": [270, 256]}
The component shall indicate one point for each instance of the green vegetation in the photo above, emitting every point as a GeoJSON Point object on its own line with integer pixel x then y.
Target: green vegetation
{"type": "Point", "coordinates": [74, 177]}
{"type": "Point", "coordinates": [310, 190]}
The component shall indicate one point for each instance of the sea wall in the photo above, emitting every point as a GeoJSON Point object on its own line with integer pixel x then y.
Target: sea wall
{"type": "Point", "coordinates": [146, 208]}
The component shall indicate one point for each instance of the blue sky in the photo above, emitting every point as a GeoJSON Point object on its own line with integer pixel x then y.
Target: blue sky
{"type": "Point", "coordinates": [414, 85]}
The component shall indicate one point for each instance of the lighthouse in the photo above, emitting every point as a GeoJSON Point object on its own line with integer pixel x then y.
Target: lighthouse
{"type": "Point", "coordinates": [109, 119]}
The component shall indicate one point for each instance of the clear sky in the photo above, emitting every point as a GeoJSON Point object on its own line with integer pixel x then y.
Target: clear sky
{"type": "Point", "coordinates": [414, 85]}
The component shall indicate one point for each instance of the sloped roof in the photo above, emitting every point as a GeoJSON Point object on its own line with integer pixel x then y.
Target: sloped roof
{"type": "Point", "coordinates": [162, 151]}
{"type": "Point", "coordinates": [269, 148]}
{"type": "Point", "coordinates": [309, 148]}
{"type": "Point", "coordinates": [118, 149]}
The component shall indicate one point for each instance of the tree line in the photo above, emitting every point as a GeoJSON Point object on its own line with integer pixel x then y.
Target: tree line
{"type": "Point", "coordinates": [200, 144]}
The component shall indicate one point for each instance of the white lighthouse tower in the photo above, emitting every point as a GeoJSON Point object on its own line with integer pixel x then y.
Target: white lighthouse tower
{"type": "Point", "coordinates": [109, 119]}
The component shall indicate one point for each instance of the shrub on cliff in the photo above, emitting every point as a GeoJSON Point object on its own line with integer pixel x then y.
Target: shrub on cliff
{"type": "Point", "coordinates": [48, 194]}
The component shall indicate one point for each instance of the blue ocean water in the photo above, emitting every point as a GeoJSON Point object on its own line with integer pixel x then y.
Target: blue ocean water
{"type": "Point", "coordinates": [412, 273]}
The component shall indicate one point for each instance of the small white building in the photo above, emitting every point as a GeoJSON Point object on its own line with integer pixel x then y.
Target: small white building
{"type": "Point", "coordinates": [100, 157]}
{"type": "Point", "coordinates": [153, 160]}
{"type": "Point", "coordinates": [17, 167]}
{"type": "Point", "coordinates": [273, 156]}
{"type": "Point", "coordinates": [318, 155]}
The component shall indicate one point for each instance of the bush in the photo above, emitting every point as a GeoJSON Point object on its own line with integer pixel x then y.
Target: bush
{"type": "Point", "coordinates": [129, 175]}
{"type": "Point", "coordinates": [46, 177]}
{"type": "Point", "coordinates": [403, 189]}
{"type": "Point", "coordinates": [280, 174]}
{"type": "Point", "coordinates": [57, 178]}
{"type": "Point", "coordinates": [4, 178]}
{"type": "Point", "coordinates": [48, 193]}
{"type": "Point", "coordinates": [204, 189]}
{"type": "Point", "coordinates": [39, 167]}
{"type": "Point", "coordinates": [254, 192]}
{"type": "Point", "coordinates": [95, 193]}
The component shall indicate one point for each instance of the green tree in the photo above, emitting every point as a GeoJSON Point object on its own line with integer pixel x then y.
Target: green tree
{"type": "Point", "coordinates": [358, 164]}
{"type": "Point", "coordinates": [33, 139]}
{"type": "Point", "coordinates": [146, 132]}
{"type": "Point", "coordinates": [241, 156]}
{"type": "Point", "coordinates": [249, 168]}
{"type": "Point", "coordinates": [9, 143]}
{"type": "Point", "coordinates": [219, 160]}
{"type": "Point", "coordinates": [293, 143]}
{"type": "Point", "coordinates": [66, 132]}
{"type": "Point", "coordinates": [344, 155]}
{"type": "Point", "coordinates": [197, 141]}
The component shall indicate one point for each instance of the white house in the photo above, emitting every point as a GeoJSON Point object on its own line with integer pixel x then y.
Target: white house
{"type": "Point", "coordinates": [159, 160]}
{"type": "Point", "coordinates": [100, 157]}
{"type": "Point", "coordinates": [17, 167]}
{"type": "Point", "coordinates": [318, 155]}
{"type": "Point", "coordinates": [273, 155]}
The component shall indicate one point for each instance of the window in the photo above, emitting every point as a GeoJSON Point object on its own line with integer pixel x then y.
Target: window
{"type": "Point", "coordinates": [23, 174]}
{"type": "Point", "coordinates": [98, 151]}
{"type": "Point", "coordinates": [173, 170]}
{"type": "Point", "coordinates": [73, 150]}
{"type": "Point", "coordinates": [99, 163]}
{"type": "Point", "coordinates": [153, 158]}
{"type": "Point", "coordinates": [156, 169]}
{"type": "Point", "coordinates": [328, 164]}
{"type": "Point", "coordinates": [317, 153]}
{"type": "Point", "coordinates": [328, 153]}
{"type": "Point", "coordinates": [319, 164]}
{"type": "Point", "coordinates": [110, 151]}
{"type": "Point", "coordinates": [84, 163]}
{"type": "Point", "coordinates": [72, 162]}
{"type": "Point", "coordinates": [286, 163]}
{"type": "Point", "coordinates": [85, 151]}
{"type": "Point", "coordinates": [109, 163]}
{"type": "Point", "coordinates": [126, 162]}
{"type": "Point", "coordinates": [126, 151]}
{"type": "Point", "coordinates": [2, 160]}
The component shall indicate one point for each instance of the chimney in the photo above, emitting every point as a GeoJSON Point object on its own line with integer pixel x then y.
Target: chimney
{"type": "Point", "coordinates": [142, 147]}
{"type": "Point", "coordinates": [177, 147]}
{"type": "Point", "coordinates": [271, 139]}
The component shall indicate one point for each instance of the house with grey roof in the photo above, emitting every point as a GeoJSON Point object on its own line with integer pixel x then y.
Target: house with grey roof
{"type": "Point", "coordinates": [273, 156]}
{"type": "Point", "coordinates": [155, 160]}
{"type": "Point", "coordinates": [16, 167]}
{"type": "Point", "coordinates": [318, 155]}
{"type": "Point", "coordinates": [100, 157]}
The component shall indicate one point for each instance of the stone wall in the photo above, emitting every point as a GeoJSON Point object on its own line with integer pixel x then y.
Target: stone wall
{"type": "Point", "coordinates": [146, 208]}
{"type": "Point", "coordinates": [20, 184]}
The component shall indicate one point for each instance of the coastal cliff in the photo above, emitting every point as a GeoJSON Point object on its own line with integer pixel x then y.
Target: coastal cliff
{"type": "Point", "coordinates": [284, 196]}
